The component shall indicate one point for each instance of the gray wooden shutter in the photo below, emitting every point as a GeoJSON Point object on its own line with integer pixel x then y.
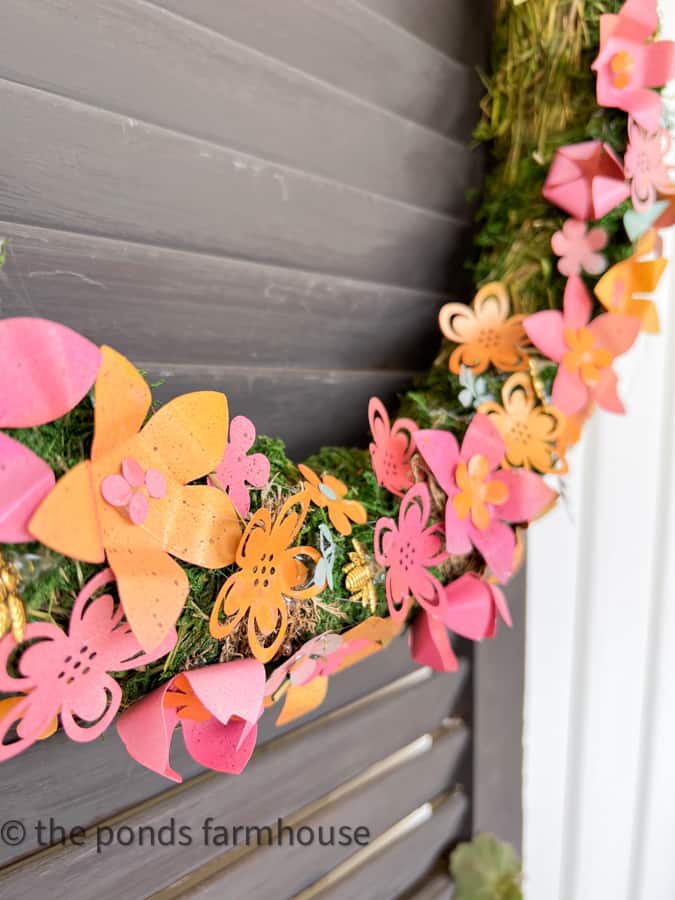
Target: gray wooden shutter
{"type": "Point", "coordinates": [267, 197]}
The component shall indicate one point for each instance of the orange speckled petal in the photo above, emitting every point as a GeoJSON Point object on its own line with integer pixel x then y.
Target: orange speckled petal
{"type": "Point", "coordinates": [122, 398]}
{"type": "Point", "coordinates": [67, 519]}
{"type": "Point", "coordinates": [201, 527]}
{"type": "Point", "coordinates": [302, 699]}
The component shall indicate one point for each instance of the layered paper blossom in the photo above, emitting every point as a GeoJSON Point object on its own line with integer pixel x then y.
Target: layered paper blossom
{"type": "Point", "coordinates": [408, 549]}
{"type": "Point", "coordinates": [622, 288]}
{"type": "Point", "coordinates": [303, 679]}
{"type": "Point", "coordinates": [470, 608]}
{"type": "Point", "coordinates": [132, 502]}
{"type": "Point", "coordinates": [530, 430]}
{"type": "Point", "coordinates": [271, 572]}
{"type": "Point", "coordinates": [485, 333]}
{"type": "Point", "coordinates": [391, 449]}
{"type": "Point", "coordinates": [586, 180]}
{"type": "Point", "coordinates": [218, 708]}
{"type": "Point", "coordinates": [329, 493]}
{"type": "Point", "coordinates": [645, 165]}
{"type": "Point", "coordinates": [578, 248]}
{"type": "Point", "coordinates": [630, 63]}
{"type": "Point", "coordinates": [238, 468]}
{"type": "Point", "coordinates": [45, 370]}
{"type": "Point", "coordinates": [67, 674]}
{"type": "Point", "coordinates": [583, 348]}
{"type": "Point", "coordinates": [481, 497]}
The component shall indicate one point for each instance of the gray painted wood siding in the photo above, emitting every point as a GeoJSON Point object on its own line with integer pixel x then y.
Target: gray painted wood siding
{"type": "Point", "coordinates": [270, 198]}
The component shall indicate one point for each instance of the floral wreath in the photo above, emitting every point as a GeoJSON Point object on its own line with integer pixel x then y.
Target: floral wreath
{"type": "Point", "coordinates": [183, 571]}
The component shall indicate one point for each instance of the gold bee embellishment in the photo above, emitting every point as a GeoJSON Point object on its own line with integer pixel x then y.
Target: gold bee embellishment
{"type": "Point", "coordinates": [12, 612]}
{"type": "Point", "coordinates": [358, 577]}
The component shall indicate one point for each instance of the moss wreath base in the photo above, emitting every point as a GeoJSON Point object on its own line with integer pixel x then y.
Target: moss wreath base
{"type": "Point", "coordinates": [493, 366]}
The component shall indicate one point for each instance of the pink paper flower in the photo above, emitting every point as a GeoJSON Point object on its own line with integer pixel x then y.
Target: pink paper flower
{"type": "Point", "coordinates": [482, 498]}
{"type": "Point", "coordinates": [645, 164]}
{"type": "Point", "coordinates": [218, 707]}
{"type": "Point", "coordinates": [470, 609]}
{"type": "Point", "coordinates": [391, 449]}
{"type": "Point", "coordinates": [237, 469]}
{"type": "Point", "coordinates": [630, 62]}
{"type": "Point", "coordinates": [584, 349]}
{"type": "Point", "coordinates": [578, 248]}
{"type": "Point", "coordinates": [68, 673]}
{"type": "Point", "coordinates": [586, 180]}
{"type": "Point", "coordinates": [408, 550]}
{"type": "Point", "coordinates": [45, 370]}
{"type": "Point", "coordinates": [132, 489]}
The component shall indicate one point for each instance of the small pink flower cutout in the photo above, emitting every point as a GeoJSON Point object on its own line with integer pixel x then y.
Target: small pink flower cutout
{"type": "Point", "coordinates": [409, 549]}
{"type": "Point", "coordinates": [237, 469]}
{"type": "Point", "coordinates": [132, 489]}
{"type": "Point", "coordinates": [645, 166]}
{"type": "Point", "coordinates": [578, 248]}
{"type": "Point", "coordinates": [391, 449]}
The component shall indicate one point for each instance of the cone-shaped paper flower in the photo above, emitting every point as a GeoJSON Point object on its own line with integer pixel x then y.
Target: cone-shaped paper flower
{"type": "Point", "coordinates": [218, 707]}
{"type": "Point", "coordinates": [584, 349]}
{"type": "Point", "coordinates": [586, 180]}
{"type": "Point", "coordinates": [482, 498]}
{"type": "Point", "coordinates": [67, 674]}
{"type": "Point", "coordinates": [130, 502]}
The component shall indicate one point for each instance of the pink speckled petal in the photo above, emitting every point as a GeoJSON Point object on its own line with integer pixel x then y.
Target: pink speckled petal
{"type": "Point", "coordinates": [25, 480]}
{"type": "Point", "coordinates": [116, 490]}
{"type": "Point", "coordinates": [430, 645]}
{"type": "Point", "coordinates": [133, 472]}
{"type": "Point", "coordinates": [139, 508]}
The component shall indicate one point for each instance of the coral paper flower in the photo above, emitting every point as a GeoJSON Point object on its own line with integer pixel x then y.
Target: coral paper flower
{"type": "Point", "coordinates": [391, 449]}
{"type": "Point", "coordinates": [586, 180]}
{"type": "Point", "coordinates": [330, 492]}
{"type": "Point", "coordinates": [578, 248]}
{"type": "Point", "coordinates": [409, 549]}
{"type": "Point", "coordinates": [485, 333]}
{"type": "Point", "coordinates": [584, 349]}
{"type": "Point", "coordinates": [630, 63]}
{"type": "Point", "coordinates": [46, 370]}
{"type": "Point", "coordinates": [303, 679]}
{"type": "Point", "coordinates": [621, 289]}
{"type": "Point", "coordinates": [90, 515]}
{"type": "Point", "coordinates": [482, 498]}
{"type": "Point", "coordinates": [238, 468]}
{"type": "Point", "coordinates": [67, 674]}
{"type": "Point", "coordinates": [530, 431]}
{"type": "Point", "coordinates": [271, 571]}
{"type": "Point", "coordinates": [218, 708]}
{"type": "Point", "coordinates": [645, 166]}
{"type": "Point", "coordinates": [470, 609]}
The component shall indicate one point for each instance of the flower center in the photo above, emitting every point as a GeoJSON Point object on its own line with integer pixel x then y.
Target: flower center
{"type": "Point", "coordinates": [477, 491]}
{"type": "Point", "coordinates": [264, 572]}
{"type": "Point", "coordinates": [585, 356]}
{"type": "Point", "coordinates": [327, 492]}
{"type": "Point", "coordinates": [406, 555]}
{"type": "Point", "coordinates": [621, 67]}
{"type": "Point", "coordinates": [133, 489]}
{"type": "Point", "coordinates": [182, 698]}
{"type": "Point", "coordinates": [489, 338]}
{"type": "Point", "coordinates": [77, 664]}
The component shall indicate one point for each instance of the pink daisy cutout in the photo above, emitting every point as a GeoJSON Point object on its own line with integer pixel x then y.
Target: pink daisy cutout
{"type": "Point", "coordinates": [645, 165]}
{"type": "Point", "coordinates": [483, 500]}
{"type": "Point", "coordinates": [391, 449]}
{"type": "Point", "coordinates": [409, 549]}
{"type": "Point", "coordinates": [238, 468]}
{"type": "Point", "coordinates": [132, 489]}
{"type": "Point", "coordinates": [584, 349]}
{"type": "Point", "coordinates": [578, 247]}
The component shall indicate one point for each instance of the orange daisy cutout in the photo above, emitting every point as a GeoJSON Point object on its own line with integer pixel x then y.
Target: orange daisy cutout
{"type": "Point", "coordinates": [485, 333]}
{"type": "Point", "coordinates": [271, 571]}
{"type": "Point", "coordinates": [620, 287]}
{"type": "Point", "coordinates": [475, 492]}
{"type": "Point", "coordinates": [152, 510]}
{"type": "Point", "coordinates": [530, 431]}
{"type": "Point", "coordinates": [330, 492]}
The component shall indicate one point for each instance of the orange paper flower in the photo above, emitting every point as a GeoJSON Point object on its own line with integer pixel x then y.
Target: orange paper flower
{"type": "Point", "coordinates": [330, 492]}
{"type": "Point", "coordinates": [618, 288]}
{"type": "Point", "coordinates": [271, 570]}
{"type": "Point", "coordinates": [130, 502]}
{"type": "Point", "coordinates": [530, 431]}
{"type": "Point", "coordinates": [485, 333]}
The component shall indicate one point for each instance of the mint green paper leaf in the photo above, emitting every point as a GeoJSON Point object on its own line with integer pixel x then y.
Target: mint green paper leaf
{"type": "Point", "coordinates": [486, 869]}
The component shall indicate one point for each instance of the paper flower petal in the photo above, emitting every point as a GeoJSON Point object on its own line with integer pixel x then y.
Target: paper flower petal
{"type": "Point", "coordinates": [25, 480]}
{"type": "Point", "coordinates": [430, 645]}
{"type": "Point", "coordinates": [46, 370]}
{"type": "Point", "coordinates": [469, 607]}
